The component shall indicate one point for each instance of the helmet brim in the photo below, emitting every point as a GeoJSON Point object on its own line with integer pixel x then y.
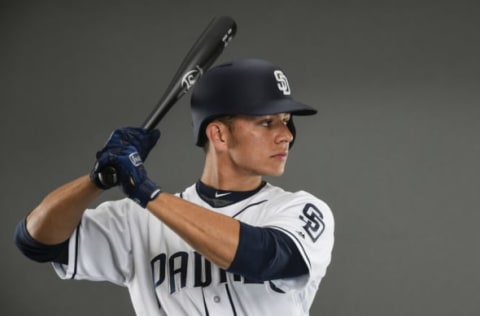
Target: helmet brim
{"type": "Point", "coordinates": [281, 106]}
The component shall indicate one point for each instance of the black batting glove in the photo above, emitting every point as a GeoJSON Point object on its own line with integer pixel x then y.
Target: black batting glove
{"type": "Point", "coordinates": [140, 138]}
{"type": "Point", "coordinates": [131, 174]}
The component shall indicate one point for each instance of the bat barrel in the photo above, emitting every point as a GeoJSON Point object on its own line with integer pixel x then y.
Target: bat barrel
{"type": "Point", "coordinates": [208, 47]}
{"type": "Point", "coordinates": [201, 56]}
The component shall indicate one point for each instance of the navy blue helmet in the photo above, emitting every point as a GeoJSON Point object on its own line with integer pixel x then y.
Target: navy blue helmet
{"type": "Point", "coordinates": [242, 87]}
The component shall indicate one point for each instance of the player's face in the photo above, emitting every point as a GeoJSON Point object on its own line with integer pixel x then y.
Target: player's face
{"type": "Point", "coordinates": [259, 144]}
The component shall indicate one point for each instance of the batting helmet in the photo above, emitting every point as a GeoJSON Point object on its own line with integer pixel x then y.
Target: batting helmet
{"type": "Point", "coordinates": [246, 86]}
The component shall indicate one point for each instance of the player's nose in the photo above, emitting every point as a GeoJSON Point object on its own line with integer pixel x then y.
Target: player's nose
{"type": "Point", "coordinates": [284, 135]}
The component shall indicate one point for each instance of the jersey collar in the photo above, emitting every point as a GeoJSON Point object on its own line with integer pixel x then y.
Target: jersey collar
{"type": "Point", "coordinates": [221, 198]}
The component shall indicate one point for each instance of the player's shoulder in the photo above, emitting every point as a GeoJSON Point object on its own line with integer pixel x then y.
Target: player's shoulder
{"type": "Point", "coordinates": [280, 196]}
{"type": "Point", "coordinates": [189, 193]}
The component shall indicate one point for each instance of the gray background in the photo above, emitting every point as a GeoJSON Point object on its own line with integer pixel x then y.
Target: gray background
{"type": "Point", "coordinates": [394, 150]}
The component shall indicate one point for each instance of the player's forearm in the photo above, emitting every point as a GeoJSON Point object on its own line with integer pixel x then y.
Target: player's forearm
{"type": "Point", "coordinates": [56, 217]}
{"type": "Point", "coordinates": [214, 235]}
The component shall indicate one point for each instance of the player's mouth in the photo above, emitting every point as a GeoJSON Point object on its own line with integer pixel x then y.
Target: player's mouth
{"type": "Point", "coordinates": [280, 156]}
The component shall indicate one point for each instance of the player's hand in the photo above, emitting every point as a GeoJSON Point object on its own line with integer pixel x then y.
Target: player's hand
{"type": "Point", "coordinates": [140, 138]}
{"type": "Point", "coordinates": [131, 173]}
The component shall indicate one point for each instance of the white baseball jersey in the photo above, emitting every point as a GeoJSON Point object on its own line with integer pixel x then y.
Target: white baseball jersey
{"type": "Point", "coordinates": [125, 244]}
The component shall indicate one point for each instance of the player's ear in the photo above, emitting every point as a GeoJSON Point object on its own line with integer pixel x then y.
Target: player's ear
{"type": "Point", "coordinates": [217, 134]}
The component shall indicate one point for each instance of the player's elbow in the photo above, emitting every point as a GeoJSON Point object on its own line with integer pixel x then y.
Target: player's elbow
{"type": "Point", "coordinates": [36, 251]}
{"type": "Point", "coordinates": [265, 254]}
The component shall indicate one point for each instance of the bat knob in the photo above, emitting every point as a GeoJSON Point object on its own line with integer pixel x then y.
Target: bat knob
{"type": "Point", "coordinates": [108, 177]}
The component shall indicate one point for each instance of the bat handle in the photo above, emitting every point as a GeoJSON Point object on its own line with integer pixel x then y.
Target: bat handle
{"type": "Point", "coordinates": [108, 176]}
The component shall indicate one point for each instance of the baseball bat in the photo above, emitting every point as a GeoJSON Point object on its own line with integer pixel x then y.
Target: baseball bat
{"type": "Point", "coordinates": [206, 49]}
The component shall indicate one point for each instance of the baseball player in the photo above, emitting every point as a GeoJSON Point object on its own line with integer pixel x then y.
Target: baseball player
{"type": "Point", "coordinates": [230, 244]}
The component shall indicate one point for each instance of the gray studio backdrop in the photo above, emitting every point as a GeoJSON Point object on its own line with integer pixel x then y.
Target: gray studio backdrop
{"type": "Point", "coordinates": [394, 150]}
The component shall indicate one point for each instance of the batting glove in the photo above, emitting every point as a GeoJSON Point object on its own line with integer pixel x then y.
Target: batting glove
{"type": "Point", "coordinates": [131, 174]}
{"type": "Point", "coordinates": [142, 139]}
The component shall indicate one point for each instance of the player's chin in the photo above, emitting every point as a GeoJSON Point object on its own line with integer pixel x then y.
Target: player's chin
{"type": "Point", "coordinates": [275, 172]}
{"type": "Point", "coordinates": [273, 168]}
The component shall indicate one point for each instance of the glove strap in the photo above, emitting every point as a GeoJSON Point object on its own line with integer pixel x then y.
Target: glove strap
{"type": "Point", "coordinates": [145, 192]}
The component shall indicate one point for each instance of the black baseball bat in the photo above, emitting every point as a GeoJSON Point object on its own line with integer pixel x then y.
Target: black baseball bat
{"type": "Point", "coordinates": [206, 49]}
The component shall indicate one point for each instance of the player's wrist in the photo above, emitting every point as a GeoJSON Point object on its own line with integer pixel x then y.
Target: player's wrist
{"type": "Point", "coordinates": [144, 192]}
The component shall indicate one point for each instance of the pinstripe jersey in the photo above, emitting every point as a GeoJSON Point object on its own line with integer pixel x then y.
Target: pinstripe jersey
{"type": "Point", "coordinates": [125, 244]}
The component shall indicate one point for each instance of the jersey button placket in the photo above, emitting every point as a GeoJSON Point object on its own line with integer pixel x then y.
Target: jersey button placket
{"type": "Point", "coordinates": [217, 302]}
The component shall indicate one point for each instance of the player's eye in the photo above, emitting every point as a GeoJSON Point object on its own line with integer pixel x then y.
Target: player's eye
{"type": "Point", "coordinates": [266, 122]}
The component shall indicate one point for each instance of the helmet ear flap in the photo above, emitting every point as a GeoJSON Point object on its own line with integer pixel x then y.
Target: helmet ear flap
{"type": "Point", "coordinates": [292, 129]}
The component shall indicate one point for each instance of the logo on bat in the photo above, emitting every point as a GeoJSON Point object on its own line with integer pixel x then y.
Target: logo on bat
{"type": "Point", "coordinates": [227, 37]}
{"type": "Point", "coordinates": [191, 77]}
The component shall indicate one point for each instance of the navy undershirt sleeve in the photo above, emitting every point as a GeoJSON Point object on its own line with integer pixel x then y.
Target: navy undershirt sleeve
{"type": "Point", "coordinates": [266, 254]}
{"type": "Point", "coordinates": [37, 251]}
